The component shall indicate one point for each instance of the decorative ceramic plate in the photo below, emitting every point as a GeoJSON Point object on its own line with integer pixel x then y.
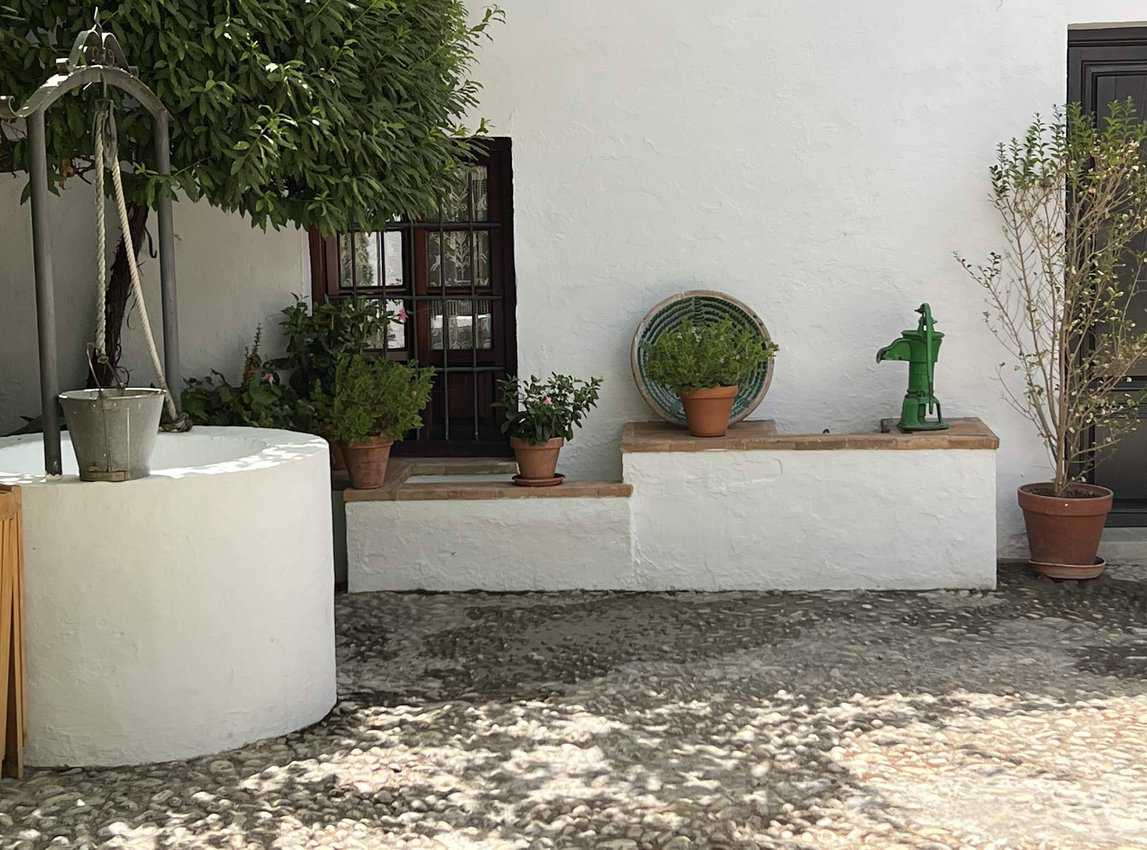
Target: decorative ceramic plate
{"type": "Point", "coordinates": [701, 306]}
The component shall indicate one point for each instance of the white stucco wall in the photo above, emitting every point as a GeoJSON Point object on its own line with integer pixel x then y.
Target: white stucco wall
{"type": "Point", "coordinates": [819, 160]}
{"type": "Point", "coordinates": [231, 279]}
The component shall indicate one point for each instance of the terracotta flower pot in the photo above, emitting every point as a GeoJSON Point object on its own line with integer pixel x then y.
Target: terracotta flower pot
{"type": "Point", "coordinates": [1064, 531]}
{"type": "Point", "coordinates": [366, 462]}
{"type": "Point", "coordinates": [707, 411]}
{"type": "Point", "coordinates": [537, 461]}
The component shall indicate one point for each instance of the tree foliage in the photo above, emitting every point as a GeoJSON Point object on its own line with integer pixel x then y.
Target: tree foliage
{"type": "Point", "coordinates": [1072, 200]}
{"type": "Point", "coordinates": [334, 114]}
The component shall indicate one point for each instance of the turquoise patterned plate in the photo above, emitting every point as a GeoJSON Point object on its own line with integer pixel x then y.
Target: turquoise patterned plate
{"type": "Point", "coordinates": [700, 306]}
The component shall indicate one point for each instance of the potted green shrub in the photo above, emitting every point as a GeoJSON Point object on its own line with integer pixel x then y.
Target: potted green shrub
{"type": "Point", "coordinates": [375, 401]}
{"type": "Point", "coordinates": [317, 338]}
{"type": "Point", "coordinates": [540, 416]}
{"type": "Point", "coordinates": [704, 363]}
{"type": "Point", "coordinates": [1073, 202]}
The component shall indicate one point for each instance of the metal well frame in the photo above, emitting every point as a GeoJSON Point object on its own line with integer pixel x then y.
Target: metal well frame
{"type": "Point", "coordinates": [96, 57]}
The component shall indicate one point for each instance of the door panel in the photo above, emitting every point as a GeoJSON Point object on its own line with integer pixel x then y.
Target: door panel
{"type": "Point", "coordinates": [1104, 66]}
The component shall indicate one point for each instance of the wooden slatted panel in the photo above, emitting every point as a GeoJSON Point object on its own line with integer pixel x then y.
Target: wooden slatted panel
{"type": "Point", "coordinates": [12, 699]}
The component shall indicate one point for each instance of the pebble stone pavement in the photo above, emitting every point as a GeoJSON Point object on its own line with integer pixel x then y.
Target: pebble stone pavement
{"type": "Point", "coordinates": [1007, 719]}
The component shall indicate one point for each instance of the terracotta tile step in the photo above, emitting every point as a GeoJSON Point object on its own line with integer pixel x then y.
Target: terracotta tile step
{"type": "Point", "coordinates": [398, 488]}
{"type": "Point", "coordinates": [762, 434]}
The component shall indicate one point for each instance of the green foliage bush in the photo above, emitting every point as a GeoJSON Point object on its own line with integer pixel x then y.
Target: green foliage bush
{"type": "Point", "coordinates": [293, 391]}
{"type": "Point", "coordinates": [333, 114]}
{"type": "Point", "coordinates": [376, 397]}
{"type": "Point", "coordinates": [538, 411]}
{"type": "Point", "coordinates": [318, 338]}
{"type": "Point", "coordinates": [709, 354]}
{"type": "Point", "coordinates": [259, 400]}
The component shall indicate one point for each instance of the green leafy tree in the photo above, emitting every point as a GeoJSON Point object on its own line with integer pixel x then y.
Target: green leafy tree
{"type": "Point", "coordinates": [337, 114]}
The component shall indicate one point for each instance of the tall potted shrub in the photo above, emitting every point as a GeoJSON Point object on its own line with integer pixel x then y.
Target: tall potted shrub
{"type": "Point", "coordinates": [540, 416]}
{"type": "Point", "coordinates": [317, 339]}
{"type": "Point", "coordinates": [375, 402]}
{"type": "Point", "coordinates": [1072, 197]}
{"type": "Point", "coordinates": [704, 363]}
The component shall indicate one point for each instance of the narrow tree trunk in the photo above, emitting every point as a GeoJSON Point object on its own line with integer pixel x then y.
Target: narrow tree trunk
{"type": "Point", "coordinates": [118, 295]}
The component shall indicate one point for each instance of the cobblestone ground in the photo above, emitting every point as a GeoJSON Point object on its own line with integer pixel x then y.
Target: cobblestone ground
{"type": "Point", "coordinates": [1013, 719]}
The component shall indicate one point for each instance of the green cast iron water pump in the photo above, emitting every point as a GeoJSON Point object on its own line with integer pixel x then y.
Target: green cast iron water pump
{"type": "Point", "coordinates": [921, 348]}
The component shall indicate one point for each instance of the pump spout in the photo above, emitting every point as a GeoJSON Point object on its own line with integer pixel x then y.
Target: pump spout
{"type": "Point", "coordinates": [901, 349]}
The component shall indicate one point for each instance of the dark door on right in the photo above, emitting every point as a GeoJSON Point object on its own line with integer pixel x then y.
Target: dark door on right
{"type": "Point", "coordinates": [1106, 65]}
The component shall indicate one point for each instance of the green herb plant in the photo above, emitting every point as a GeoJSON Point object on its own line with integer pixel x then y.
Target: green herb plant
{"type": "Point", "coordinates": [539, 410]}
{"type": "Point", "coordinates": [694, 356]}
{"type": "Point", "coordinates": [375, 397]}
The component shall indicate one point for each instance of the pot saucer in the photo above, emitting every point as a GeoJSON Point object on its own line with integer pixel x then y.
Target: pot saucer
{"type": "Point", "coordinates": [539, 482]}
{"type": "Point", "coordinates": [1070, 571]}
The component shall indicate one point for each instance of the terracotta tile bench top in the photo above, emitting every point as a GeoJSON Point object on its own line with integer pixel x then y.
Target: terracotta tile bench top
{"type": "Point", "coordinates": [762, 434]}
{"type": "Point", "coordinates": [398, 488]}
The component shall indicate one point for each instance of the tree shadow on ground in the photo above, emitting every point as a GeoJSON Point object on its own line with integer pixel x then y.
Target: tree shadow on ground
{"type": "Point", "coordinates": [667, 721]}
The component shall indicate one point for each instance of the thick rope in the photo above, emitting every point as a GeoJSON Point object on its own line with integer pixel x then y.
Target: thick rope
{"type": "Point", "coordinates": [111, 160]}
{"type": "Point", "coordinates": [100, 354]}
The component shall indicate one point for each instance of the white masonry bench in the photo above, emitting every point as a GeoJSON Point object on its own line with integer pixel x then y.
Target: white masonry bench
{"type": "Point", "coordinates": [755, 510]}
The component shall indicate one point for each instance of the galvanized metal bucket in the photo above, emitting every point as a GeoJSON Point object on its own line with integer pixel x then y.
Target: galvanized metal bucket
{"type": "Point", "coordinates": [113, 431]}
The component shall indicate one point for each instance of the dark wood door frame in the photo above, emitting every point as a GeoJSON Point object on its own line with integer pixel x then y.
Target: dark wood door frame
{"type": "Point", "coordinates": [1093, 56]}
{"type": "Point", "coordinates": [462, 371]}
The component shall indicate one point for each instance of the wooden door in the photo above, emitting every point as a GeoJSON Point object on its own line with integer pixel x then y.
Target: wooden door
{"type": "Point", "coordinates": [1106, 65]}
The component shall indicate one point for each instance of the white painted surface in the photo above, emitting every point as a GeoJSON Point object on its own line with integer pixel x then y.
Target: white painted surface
{"type": "Point", "coordinates": [494, 544]}
{"type": "Point", "coordinates": [718, 520]}
{"type": "Point", "coordinates": [814, 520]}
{"type": "Point", "coordinates": [231, 277]}
{"type": "Point", "coordinates": [819, 164]}
{"type": "Point", "coordinates": [819, 160]}
{"type": "Point", "coordinates": [180, 614]}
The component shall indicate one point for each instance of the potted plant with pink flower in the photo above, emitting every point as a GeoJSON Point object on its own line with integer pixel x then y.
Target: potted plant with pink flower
{"type": "Point", "coordinates": [541, 416]}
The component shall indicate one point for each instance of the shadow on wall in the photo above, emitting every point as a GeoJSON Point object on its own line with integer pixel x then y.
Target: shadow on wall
{"type": "Point", "coordinates": [231, 278]}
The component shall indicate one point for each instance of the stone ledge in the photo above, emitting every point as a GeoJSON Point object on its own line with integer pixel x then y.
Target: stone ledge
{"type": "Point", "coordinates": [398, 489]}
{"type": "Point", "coordinates": [970, 433]}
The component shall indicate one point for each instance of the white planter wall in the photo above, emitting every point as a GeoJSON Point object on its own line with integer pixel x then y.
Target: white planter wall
{"type": "Point", "coordinates": [814, 520]}
{"type": "Point", "coordinates": [704, 519]}
{"type": "Point", "coordinates": [490, 544]}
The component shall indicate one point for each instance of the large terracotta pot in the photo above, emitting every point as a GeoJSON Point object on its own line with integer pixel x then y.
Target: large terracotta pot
{"type": "Point", "coordinates": [707, 411]}
{"type": "Point", "coordinates": [1064, 531]}
{"type": "Point", "coordinates": [537, 461]}
{"type": "Point", "coordinates": [366, 462]}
